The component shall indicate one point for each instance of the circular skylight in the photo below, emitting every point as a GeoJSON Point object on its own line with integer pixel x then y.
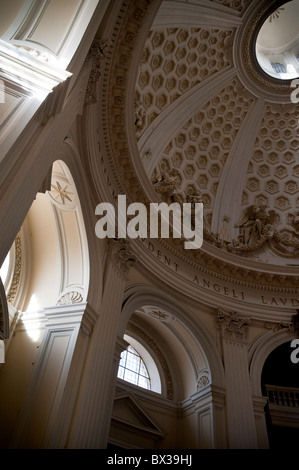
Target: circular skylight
{"type": "Point", "coordinates": [277, 44]}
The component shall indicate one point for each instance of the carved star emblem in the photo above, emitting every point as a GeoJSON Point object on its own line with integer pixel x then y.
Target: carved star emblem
{"type": "Point", "coordinates": [62, 193]}
{"type": "Point", "coordinates": [159, 315]}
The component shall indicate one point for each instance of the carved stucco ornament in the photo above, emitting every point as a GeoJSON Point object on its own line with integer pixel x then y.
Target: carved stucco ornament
{"type": "Point", "coordinates": [95, 56]}
{"type": "Point", "coordinates": [167, 182]}
{"type": "Point", "coordinates": [121, 253]}
{"type": "Point", "coordinates": [72, 297]}
{"type": "Point", "coordinates": [203, 379]}
{"type": "Point", "coordinates": [256, 228]}
{"type": "Point", "coordinates": [12, 293]}
{"type": "Point", "coordinates": [291, 327]}
{"type": "Point", "coordinates": [232, 325]}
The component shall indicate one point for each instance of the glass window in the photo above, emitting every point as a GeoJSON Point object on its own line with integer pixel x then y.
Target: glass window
{"type": "Point", "coordinates": [133, 369]}
{"type": "Point", "coordinates": [279, 68]}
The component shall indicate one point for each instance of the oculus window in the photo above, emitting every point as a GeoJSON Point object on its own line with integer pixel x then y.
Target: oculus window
{"type": "Point", "coordinates": [277, 44]}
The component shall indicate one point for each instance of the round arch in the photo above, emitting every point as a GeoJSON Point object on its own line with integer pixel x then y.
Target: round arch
{"type": "Point", "coordinates": [70, 155]}
{"type": "Point", "coordinates": [57, 254]}
{"type": "Point", "coordinates": [259, 350]}
{"type": "Point", "coordinates": [140, 295]}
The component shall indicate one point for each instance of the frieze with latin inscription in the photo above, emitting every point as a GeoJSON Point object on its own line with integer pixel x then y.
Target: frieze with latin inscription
{"type": "Point", "coordinates": [199, 279]}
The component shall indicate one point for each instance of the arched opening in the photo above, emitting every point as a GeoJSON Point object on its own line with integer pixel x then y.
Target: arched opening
{"type": "Point", "coordinates": [280, 383]}
{"type": "Point", "coordinates": [171, 416]}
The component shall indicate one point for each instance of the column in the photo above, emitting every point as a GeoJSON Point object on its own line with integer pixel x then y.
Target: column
{"type": "Point", "coordinates": [241, 426]}
{"type": "Point", "coordinates": [92, 414]}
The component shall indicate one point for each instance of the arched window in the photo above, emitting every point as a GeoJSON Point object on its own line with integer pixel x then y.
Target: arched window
{"type": "Point", "coordinates": [133, 369]}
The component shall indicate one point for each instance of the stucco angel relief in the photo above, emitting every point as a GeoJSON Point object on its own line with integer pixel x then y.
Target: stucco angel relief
{"type": "Point", "coordinates": [257, 223]}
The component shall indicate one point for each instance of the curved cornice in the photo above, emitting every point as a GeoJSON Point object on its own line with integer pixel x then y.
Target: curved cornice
{"type": "Point", "coordinates": [188, 15]}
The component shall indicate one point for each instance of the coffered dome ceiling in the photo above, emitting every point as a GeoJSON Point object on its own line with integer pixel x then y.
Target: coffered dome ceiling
{"type": "Point", "coordinates": [191, 102]}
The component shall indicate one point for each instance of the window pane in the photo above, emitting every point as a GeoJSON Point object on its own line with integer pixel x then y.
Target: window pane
{"type": "Point", "coordinates": [132, 369]}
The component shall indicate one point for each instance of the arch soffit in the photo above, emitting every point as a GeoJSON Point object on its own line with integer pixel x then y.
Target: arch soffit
{"type": "Point", "coordinates": [69, 154]}
{"type": "Point", "coordinates": [78, 206]}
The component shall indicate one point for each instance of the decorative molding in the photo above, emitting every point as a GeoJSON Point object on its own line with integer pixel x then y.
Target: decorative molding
{"type": "Point", "coordinates": [41, 76]}
{"type": "Point", "coordinates": [239, 5]}
{"type": "Point", "coordinates": [11, 296]}
{"type": "Point", "coordinates": [95, 57]}
{"type": "Point", "coordinates": [204, 379]}
{"type": "Point", "coordinates": [291, 327]}
{"type": "Point", "coordinates": [121, 253]}
{"type": "Point", "coordinates": [157, 313]}
{"type": "Point", "coordinates": [71, 297]}
{"type": "Point", "coordinates": [45, 57]}
{"type": "Point", "coordinates": [167, 183]}
{"type": "Point", "coordinates": [61, 192]}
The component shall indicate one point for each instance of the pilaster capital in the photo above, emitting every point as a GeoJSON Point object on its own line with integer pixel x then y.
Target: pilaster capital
{"type": "Point", "coordinates": [232, 326]}
{"type": "Point", "coordinates": [121, 254]}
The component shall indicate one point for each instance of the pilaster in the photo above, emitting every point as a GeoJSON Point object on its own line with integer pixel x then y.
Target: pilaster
{"type": "Point", "coordinates": [209, 403]}
{"type": "Point", "coordinates": [241, 428]}
{"type": "Point", "coordinates": [259, 404]}
{"type": "Point", "coordinates": [91, 423]}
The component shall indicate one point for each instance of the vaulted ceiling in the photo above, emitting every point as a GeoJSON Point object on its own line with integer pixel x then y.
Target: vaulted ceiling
{"type": "Point", "coordinates": [183, 96]}
{"type": "Point", "coordinates": [198, 119]}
